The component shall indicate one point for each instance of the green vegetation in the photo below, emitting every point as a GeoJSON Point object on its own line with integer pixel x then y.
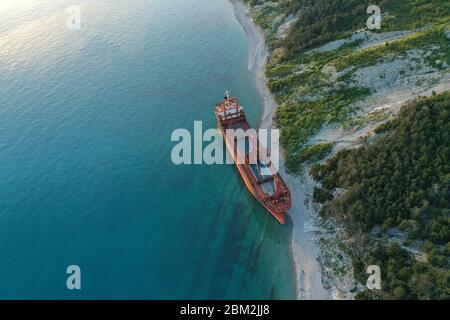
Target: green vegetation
{"type": "Point", "coordinates": [338, 18]}
{"type": "Point", "coordinates": [321, 195]}
{"type": "Point", "coordinates": [316, 88]}
{"type": "Point", "coordinates": [373, 117]}
{"type": "Point", "coordinates": [305, 71]}
{"type": "Point", "coordinates": [409, 167]}
{"type": "Point", "coordinates": [333, 102]}
{"type": "Point", "coordinates": [402, 180]}
{"type": "Point", "coordinates": [403, 277]}
{"type": "Point", "coordinates": [299, 122]}
{"type": "Point", "coordinates": [424, 39]}
{"type": "Point", "coordinates": [316, 152]}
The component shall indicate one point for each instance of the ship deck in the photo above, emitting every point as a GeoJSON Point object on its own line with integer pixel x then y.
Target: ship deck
{"type": "Point", "coordinates": [261, 172]}
{"type": "Point", "coordinates": [265, 181]}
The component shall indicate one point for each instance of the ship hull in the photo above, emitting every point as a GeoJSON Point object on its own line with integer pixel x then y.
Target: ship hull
{"type": "Point", "coordinates": [252, 161]}
{"type": "Point", "coordinates": [244, 173]}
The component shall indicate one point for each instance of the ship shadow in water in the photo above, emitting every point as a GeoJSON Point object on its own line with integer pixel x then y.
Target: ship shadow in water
{"type": "Point", "coordinates": [249, 254]}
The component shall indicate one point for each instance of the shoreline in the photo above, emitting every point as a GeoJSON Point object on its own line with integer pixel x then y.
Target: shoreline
{"type": "Point", "coordinates": [257, 59]}
{"type": "Point", "coordinates": [304, 252]}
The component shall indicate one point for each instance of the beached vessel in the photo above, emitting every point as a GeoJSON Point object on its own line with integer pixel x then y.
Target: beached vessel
{"type": "Point", "coordinates": [258, 173]}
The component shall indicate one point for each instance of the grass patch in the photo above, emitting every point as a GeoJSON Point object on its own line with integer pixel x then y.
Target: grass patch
{"type": "Point", "coordinates": [301, 121]}
{"type": "Point", "coordinates": [373, 117]}
{"type": "Point", "coordinates": [391, 50]}
{"type": "Point", "coordinates": [315, 152]}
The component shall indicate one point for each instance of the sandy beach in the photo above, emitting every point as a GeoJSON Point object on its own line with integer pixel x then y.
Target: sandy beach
{"type": "Point", "coordinates": [304, 251]}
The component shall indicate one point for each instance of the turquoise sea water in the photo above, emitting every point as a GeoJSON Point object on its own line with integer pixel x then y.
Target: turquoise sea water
{"type": "Point", "coordinates": [85, 172]}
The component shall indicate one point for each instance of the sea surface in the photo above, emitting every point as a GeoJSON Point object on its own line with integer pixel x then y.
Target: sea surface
{"type": "Point", "coordinates": [86, 176]}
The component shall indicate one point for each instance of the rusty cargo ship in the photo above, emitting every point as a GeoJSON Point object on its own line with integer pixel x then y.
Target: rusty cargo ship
{"type": "Point", "coordinates": [259, 175]}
